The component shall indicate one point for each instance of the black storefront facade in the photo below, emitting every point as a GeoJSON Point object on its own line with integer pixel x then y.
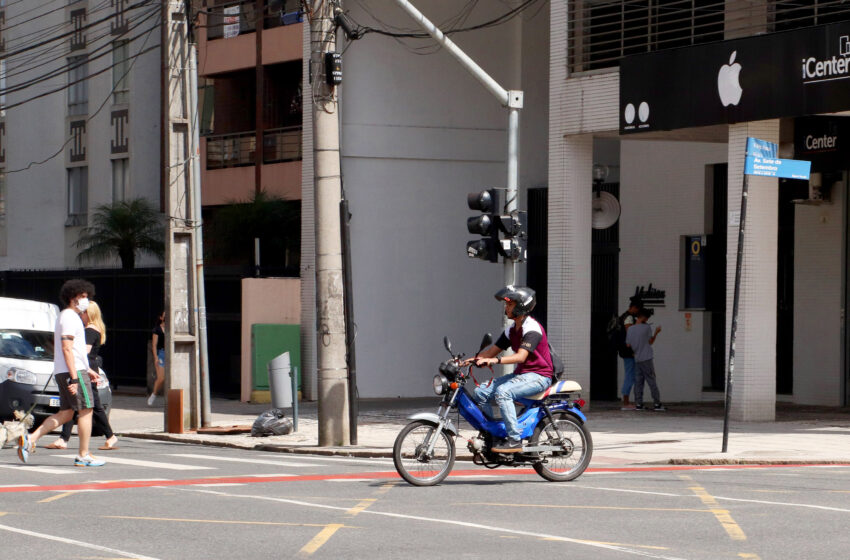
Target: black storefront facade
{"type": "Point", "coordinates": [801, 79]}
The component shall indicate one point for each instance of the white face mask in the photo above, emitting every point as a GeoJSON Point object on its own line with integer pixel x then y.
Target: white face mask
{"type": "Point", "coordinates": [82, 304]}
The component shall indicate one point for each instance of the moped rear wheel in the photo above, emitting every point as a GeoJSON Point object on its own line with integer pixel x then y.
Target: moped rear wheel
{"type": "Point", "coordinates": [574, 449]}
{"type": "Point", "coordinates": [409, 454]}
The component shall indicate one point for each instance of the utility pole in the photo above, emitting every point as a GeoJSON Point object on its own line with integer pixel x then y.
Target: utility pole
{"type": "Point", "coordinates": [330, 316]}
{"type": "Point", "coordinates": [182, 354]}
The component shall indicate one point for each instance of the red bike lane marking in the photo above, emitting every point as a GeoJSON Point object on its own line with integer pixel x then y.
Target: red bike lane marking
{"type": "Point", "coordinates": [124, 484]}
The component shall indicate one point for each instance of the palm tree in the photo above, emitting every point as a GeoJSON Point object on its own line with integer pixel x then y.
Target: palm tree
{"type": "Point", "coordinates": [123, 229]}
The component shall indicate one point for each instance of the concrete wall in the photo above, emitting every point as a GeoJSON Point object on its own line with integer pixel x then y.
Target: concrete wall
{"type": "Point", "coordinates": [418, 134]}
{"type": "Point", "coordinates": [266, 300]}
{"type": "Point", "coordinates": [817, 301]}
{"type": "Point", "coordinates": [662, 193]}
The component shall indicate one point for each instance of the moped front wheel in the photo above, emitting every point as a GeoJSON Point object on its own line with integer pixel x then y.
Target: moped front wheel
{"type": "Point", "coordinates": [411, 457]}
{"type": "Point", "coordinates": [572, 445]}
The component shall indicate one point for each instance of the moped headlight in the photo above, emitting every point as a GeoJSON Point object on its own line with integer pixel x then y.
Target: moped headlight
{"type": "Point", "coordinates": [19, 375]}
{"type": "Point", "coordinates": [441, 384]}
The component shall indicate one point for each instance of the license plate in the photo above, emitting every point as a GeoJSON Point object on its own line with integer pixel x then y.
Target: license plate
{"type": "Point", "coordinates": [54, 401]}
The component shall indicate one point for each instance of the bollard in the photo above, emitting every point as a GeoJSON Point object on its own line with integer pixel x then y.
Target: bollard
{"type": "Point", "coordinates": [174, 411]}
{"type": "Point", "coordinates": [279, 383]}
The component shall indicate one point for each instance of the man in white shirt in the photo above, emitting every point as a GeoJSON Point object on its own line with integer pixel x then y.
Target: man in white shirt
{"type": "Point", "coordinates": [72, 374]}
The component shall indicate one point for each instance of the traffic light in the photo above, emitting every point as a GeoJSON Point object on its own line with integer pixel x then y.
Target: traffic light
{"type": "Point", "coordinates": [490, 223]}
{"type": "Point", "coordinates": [485, 225]}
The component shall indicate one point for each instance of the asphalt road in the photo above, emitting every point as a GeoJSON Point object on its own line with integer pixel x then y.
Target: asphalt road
{"type": "Point", "coordinates": [177, 501]}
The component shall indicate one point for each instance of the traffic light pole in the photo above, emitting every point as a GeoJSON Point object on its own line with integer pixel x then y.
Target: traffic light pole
{"type": "Point", "coordinates": [512, 99]}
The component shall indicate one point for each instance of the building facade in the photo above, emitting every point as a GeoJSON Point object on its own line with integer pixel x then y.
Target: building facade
{"type": "Point", "coordinates": [80, 122]}
{"type": "Point", "coordinates": [666, 95]}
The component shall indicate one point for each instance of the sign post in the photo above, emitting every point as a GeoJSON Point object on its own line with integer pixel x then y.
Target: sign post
{"type": "Point", "coordinates": [762, 161]}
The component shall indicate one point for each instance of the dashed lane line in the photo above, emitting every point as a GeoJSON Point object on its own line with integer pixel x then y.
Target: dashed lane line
{"type": "Point", "coordinates": [148, 464]}
{"type": "Point", "coordinates": [722, 515]}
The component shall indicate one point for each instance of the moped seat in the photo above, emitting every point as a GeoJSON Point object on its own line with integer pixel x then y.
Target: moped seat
{"type": "Point", "coordinates": [557, 388]}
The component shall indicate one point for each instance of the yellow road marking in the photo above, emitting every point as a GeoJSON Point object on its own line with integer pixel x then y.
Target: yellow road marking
{"type": "Point", "coordinates": [749, 555]}
{"type": "Point", "coordinates": [581, 507]}
{"type": "Point", "coordinates": [722, 515]}
{"type": "Point", "coordinates": [385, 488]}
{"type": "Point", "coordinates": [361, 506]}
{"type": "Point", "coordinates": [320, 539]}
{"type": "Point", "coordinates": [56, 497]}
{"type": "Point", "coordinates": [222, 521]}
{"type": "Point", "coordinates": [618, 544]}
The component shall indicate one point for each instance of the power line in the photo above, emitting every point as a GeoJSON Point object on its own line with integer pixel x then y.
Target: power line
{"type": "Point", "coordinates": [135, 57]}
{"type": "Point", "coordinates": [72, 65]}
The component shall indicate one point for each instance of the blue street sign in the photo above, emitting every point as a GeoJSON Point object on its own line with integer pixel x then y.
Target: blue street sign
{"type": "Point", "coordinates": [775, 167]}
{"type": "Point", "coordinates": [762, 148]}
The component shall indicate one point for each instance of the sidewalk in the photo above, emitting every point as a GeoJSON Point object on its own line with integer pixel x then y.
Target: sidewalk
{"type": "Point", "coordinates": [688, 433]}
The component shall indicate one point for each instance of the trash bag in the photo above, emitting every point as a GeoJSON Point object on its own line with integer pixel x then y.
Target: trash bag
{"type": "Point", "coordinates": [272, 423]}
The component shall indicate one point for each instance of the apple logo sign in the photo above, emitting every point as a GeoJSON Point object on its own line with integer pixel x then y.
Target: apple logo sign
{"type": "Point", "coordinates": [728, 86]}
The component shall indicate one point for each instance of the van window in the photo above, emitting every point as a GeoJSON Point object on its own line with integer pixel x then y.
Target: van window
{"type": "Point", "coordinates": [26, 345]}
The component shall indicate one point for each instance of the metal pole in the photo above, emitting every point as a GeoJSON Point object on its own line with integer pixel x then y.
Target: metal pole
{"type": "Point", "coordinates": [735, 299]}
{"type": "Point", "coordinates": [344, 219]}
{"type": "Point", "coordinates": [206, 415]}
{"type": "Point", "coordinates": [511, 202]}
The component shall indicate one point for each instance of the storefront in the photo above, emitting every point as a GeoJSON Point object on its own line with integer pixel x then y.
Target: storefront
{"type": "Point", "coordinates": [684, 116]}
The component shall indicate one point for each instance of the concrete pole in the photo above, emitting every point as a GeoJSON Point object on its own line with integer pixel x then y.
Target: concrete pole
{"type": "Point", "coordinates": [330, 315]}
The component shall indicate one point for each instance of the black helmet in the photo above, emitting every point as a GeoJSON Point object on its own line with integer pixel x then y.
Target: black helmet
{"type": "Point", "coordinates": [525, 298]}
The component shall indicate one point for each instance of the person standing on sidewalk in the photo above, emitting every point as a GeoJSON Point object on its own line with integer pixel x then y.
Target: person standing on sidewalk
{"type": "Point", "coordinates": [624, 322]}
{"type": "Point", "coordinates": [158, 349]}
{"type": "Point", "coordinates": [71, 373]}
{"type": "Point", "coordinates": [640, 339]}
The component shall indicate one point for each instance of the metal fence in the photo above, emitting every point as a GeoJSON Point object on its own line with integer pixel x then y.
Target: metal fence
{"type": "Point", "coordinates": [231, 150]}
{"type": "Point", "coordinates": [602, 32]}
{"type": "Point", "coordinates": [282, 144]}
{"type": "Point", "coordinates": [132, 300]}
{"type": "Point", "coordinates": [230, 19]}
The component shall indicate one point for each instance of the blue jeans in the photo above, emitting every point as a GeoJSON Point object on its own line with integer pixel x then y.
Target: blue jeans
{"type": "Point", "coordinates": [629, 379]}
{"type": "Point", "coordinates": [505, 390]}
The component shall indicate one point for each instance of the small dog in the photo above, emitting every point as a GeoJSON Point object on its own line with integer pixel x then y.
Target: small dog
{"type": "Point", "coordinates": [10, 431]}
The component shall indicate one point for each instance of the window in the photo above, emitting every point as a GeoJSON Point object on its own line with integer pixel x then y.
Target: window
{"type": "Point", "coordinates": [120, 72]}
{"type": "Point", "coordinates": [78, 85]}
{"type": "Point", "coordinates": [78, 186]}
{"type": "Point", "coordinates": [120, 179]}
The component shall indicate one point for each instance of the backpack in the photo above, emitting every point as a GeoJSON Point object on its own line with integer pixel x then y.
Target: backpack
{"type": "Point", "coordinates": [557, 364]}
{"type": "Point", "coordinates": [613, 329]}
{"type": "Point", "coordinates": [616, 333]}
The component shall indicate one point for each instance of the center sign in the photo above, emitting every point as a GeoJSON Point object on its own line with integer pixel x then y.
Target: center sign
{"type": "Point", "coordinates": [787, 74]}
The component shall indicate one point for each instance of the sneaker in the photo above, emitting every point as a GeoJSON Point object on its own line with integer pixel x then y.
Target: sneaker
{"type": "Point", "coordinates": [25, 447]}
{"type": "Point", "coordinates": [508, 446]}
{"type": "Point", "coordinates": [638, 407]}
{"type": "Point", "coordinates": [88, 461]}
{"type": "Point", "coordinates": [152, 399]}
{"type": "Point", "coordinates": [659, 407]}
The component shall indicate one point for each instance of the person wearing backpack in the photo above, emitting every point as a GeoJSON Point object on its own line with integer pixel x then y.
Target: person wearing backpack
{"type": "Point", "coordinates": [624, 321]}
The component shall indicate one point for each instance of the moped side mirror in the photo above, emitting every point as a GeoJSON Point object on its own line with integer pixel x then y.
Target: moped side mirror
{"type": "Point", "coordinates": [486, 341]}
{"type": "Point", "coordinates": [448, 344]}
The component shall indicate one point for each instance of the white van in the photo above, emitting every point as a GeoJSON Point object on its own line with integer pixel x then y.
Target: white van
{"type": "Point", "coordinates": [26, 359]}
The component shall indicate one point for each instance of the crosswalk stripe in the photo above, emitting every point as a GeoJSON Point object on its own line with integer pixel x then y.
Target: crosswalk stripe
{"type": "Point", "coordinates": [238, 460]}
{"type": "Point", "coordinates": [42, 468]}
{"type": "Point", "coordinates": [150, 464]}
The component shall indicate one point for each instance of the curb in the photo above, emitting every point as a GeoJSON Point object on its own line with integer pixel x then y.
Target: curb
{"type": "Point", "coordinates": [719, 462]}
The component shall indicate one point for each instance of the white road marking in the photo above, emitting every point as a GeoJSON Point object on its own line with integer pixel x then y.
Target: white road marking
{"type": "Point", "coordinates": [16, 485]}
{"type": "Point", "coordinates": [75, 542]}
{"type": "Point", "coordinates": [239, 460]}
{"type": "Point", "coordinates": [269, 475]}
{"type": "Point", "coordinates": [745, 500]}
{"type": "Point", "coordinates": [349, 480]}
{"type": "Point", "coordinates": [452, 522]}
{"type": "Point", "coordinates": [341, 459]}
{"type": "Point", "coordinates": [43, 469]}
{"type": "Point", "coordinates": [149, 464]}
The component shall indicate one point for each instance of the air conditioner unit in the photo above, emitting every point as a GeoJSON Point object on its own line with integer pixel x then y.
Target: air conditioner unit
{"type": "Point", "coordinates": [817, 193]}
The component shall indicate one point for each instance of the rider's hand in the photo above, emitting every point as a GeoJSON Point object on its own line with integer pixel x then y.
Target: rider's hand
{"type": "Point", "coordinates": [484, 362]}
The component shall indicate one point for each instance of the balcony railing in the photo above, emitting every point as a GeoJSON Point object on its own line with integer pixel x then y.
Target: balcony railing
{"type": "Point", "coordinates": [239, 149]}
{"type": "Point", "coordinates": [234, 18]}
{"type": "Point", "coordinates": [231, 150]}
{"type": "Point", "coordinates": [282, 144]}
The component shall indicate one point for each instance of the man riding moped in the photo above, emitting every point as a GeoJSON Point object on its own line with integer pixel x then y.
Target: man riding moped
{"type": "Point", "coordinates": [534, 370]}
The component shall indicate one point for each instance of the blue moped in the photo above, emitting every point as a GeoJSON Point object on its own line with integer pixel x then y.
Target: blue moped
{"type": "Point", "coordinates": [556, 441]}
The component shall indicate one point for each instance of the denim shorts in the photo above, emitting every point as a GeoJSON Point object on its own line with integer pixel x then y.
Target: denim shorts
{"type": "Point", "coordinates": [160, 357]}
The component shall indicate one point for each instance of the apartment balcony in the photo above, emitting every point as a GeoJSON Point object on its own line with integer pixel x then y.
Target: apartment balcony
{"type": "Point", "coordinates": [227, 37]}
{"type": "Point", "coordinates": [229, 165]}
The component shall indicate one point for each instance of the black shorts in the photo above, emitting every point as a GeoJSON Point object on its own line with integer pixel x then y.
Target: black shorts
{"type": "Point", "coordinates": [83, 399]}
